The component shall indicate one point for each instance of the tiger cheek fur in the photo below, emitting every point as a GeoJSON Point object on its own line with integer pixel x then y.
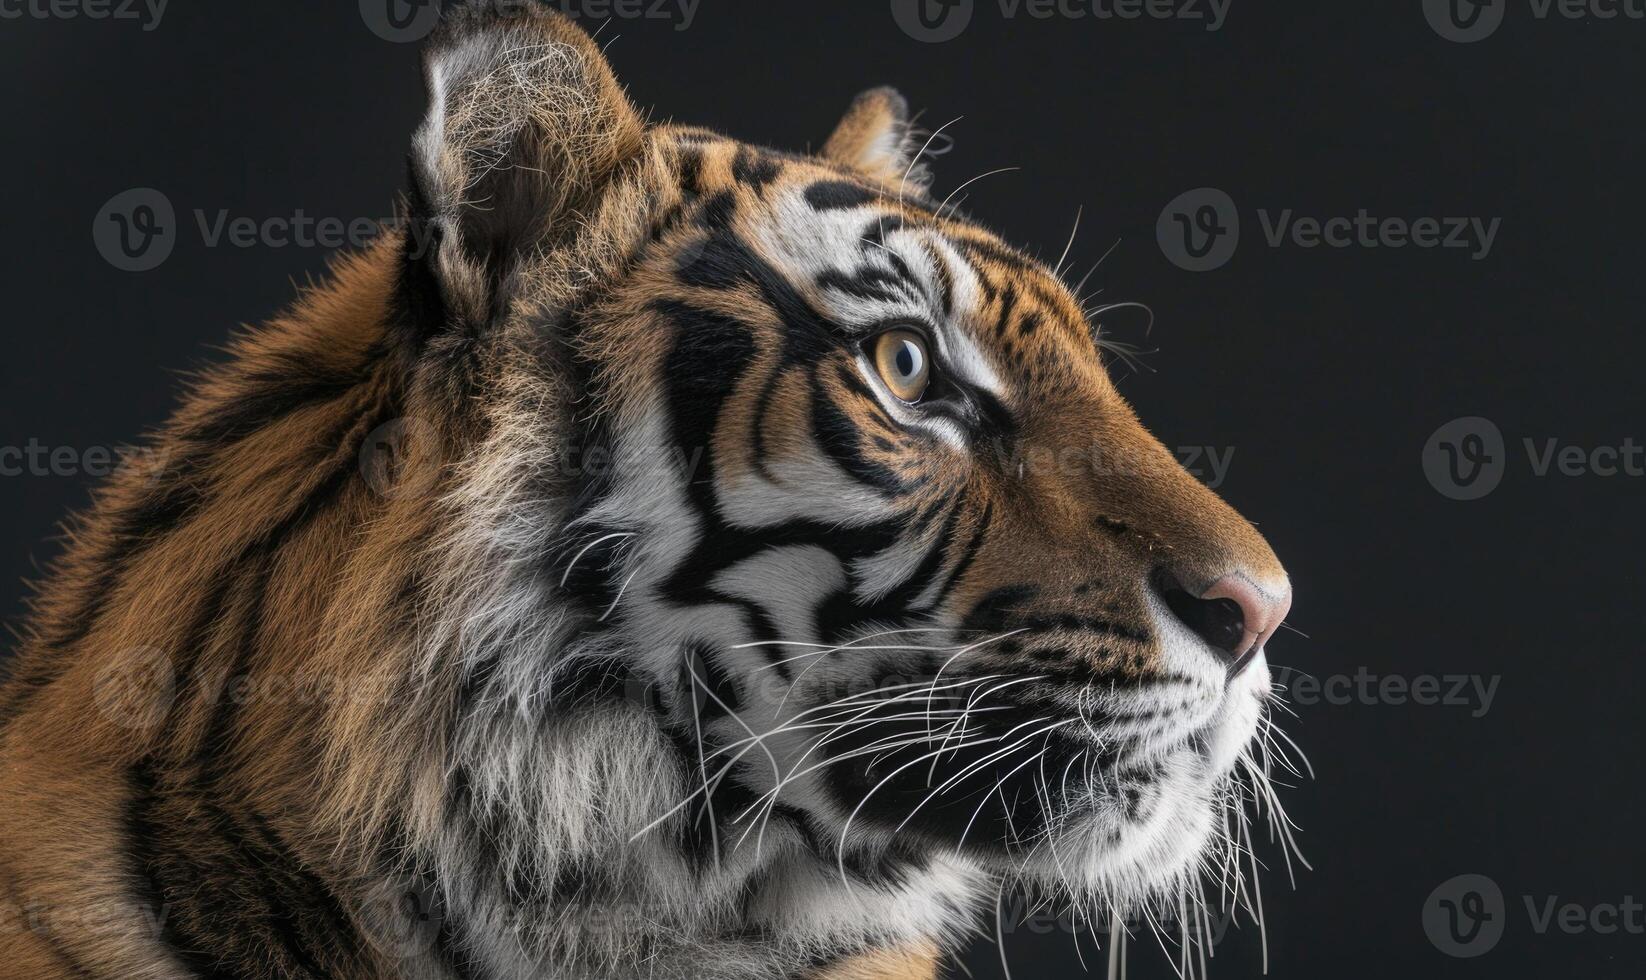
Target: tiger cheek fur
{"type": "Point", "coordinates": [566, 586]}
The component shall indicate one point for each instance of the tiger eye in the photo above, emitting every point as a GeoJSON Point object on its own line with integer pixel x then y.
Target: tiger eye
{"type": "Point", "coordinates": [900, 358]}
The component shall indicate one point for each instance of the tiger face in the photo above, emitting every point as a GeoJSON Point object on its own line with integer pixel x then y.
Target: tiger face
{"type": "Point", "coordinates": [883, 547]}
{"type": "Point", "coordinates": [884, 538]}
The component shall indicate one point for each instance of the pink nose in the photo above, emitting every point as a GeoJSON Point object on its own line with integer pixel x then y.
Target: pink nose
{"type": "Point", "coordinates": [1234, 615]}
{"type": "Point", "coordinates": [1262, 610]}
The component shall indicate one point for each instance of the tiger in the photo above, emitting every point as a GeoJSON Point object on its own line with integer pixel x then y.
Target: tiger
{"type": "Point", "coordinates": [653, 555]}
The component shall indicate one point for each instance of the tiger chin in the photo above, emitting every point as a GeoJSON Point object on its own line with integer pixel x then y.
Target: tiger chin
{"type": "Point", "coordinates": [657, 556]}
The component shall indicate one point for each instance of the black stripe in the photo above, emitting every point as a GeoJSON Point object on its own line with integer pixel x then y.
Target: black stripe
{"type": "Point", "coordinates": [218, 744]}
{"type": "Point", "coordinates": [710, 816]}
{"type": "Point", "coordinates": [992, 611]}
{"type": "Point", "coordinates": [854, 383]}
{"type": "Point", "coordinates": [972, 548]}
{"type": "Point", "coordinates": [839, 437]}
{"type": "Point", "coordinates": [754, 169]}
{"type": "Point", "coordinates": [716, 264]}
{"type": "Point", "coordinates": [270, 398]}
{"type": "Point", "coordinates": [1033, 275]}
{"type": "Point", "coordinates": [717, 210]}
{"type": "Point", "coordinates": [836, 195]}
{"type": "Point", "coordinates": [881, 228]}
{"type": "Point", "coordinates": [840, 614]}
{"type": "Point", "coordinates": [925, 573]}
{"type": "Point", "coordinates": [691, 170]}
{"type": "Point", "coordinates": [324, 901]}
{"type": "Point", "coordinates": [145, 847]}
{"type": "Point", "coordinates": [757, 425]}
{"type": "Point", "coordinates": [417, 307]}
{"type": "Point", "coordinates": [1008, 302]}
{"type": "Point", "coordinates": [710, 353]}
{"type": "Point", "coordinates": [945, 279]}
{"type": "Point", "coordinates": [868, 283]}
{"type": "Point", "coordinates": [130, 533]}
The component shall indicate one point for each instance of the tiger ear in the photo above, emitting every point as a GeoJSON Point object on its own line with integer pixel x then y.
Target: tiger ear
{"type": "Point", "coordinates": [876, 137]}
{"type": "Point", "coordinates": [525, 126]}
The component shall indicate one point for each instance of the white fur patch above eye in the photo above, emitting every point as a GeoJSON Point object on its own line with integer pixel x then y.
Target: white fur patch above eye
{"type": "Point", "coordinates": [806, 245]}
{"type": "Point", "coordinates": [964, 352]}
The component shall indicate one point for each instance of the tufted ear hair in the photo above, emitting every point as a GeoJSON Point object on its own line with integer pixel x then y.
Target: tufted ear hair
{"type": "Point", "coordinates": [875, 136]}
{"type": "Point", "coordinates": [525, 126]}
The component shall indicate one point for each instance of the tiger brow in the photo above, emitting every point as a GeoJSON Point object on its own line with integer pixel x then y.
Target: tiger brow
{"type": "Point", "coordinates": [943, 300]}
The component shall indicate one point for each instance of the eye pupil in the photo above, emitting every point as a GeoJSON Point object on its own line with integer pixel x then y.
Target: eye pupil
{"type": "Point", "coordinates": [908, 360]}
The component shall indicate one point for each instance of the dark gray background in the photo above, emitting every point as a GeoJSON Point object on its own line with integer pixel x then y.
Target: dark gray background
{"type": "Point", "coordinates": [1326, 370]}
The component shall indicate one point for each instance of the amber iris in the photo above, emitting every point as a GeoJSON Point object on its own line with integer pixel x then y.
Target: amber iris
{"type": "Point", "coordinates": [900, 358]}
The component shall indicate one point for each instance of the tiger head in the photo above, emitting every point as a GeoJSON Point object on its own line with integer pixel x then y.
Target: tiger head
{"type": "Point", "coordinates": [804, 568]}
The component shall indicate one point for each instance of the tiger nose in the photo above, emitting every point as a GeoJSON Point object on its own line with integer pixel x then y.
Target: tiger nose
{"type": "Point", "coordinates": [1234, 615]}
